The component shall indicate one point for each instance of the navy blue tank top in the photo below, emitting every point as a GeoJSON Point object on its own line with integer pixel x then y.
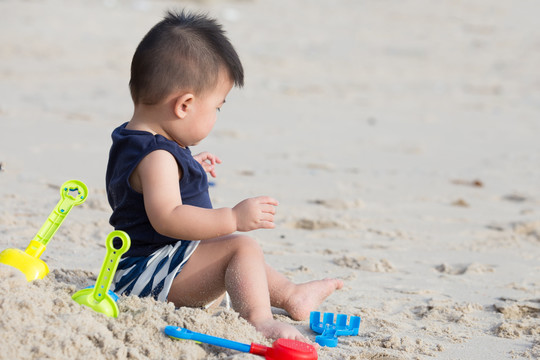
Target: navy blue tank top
{"type": "Point", "coordinates": [128, 148]}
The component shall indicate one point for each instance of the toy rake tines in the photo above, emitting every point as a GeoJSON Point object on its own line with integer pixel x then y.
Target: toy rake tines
{"type": "Point", "coordinates": [342, 329]}
{"type": "Point", "coordinates": [329, 330]}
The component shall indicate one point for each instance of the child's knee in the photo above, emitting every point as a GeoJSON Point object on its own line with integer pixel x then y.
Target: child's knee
{"type": "Point", "coordinates": [246, 244]}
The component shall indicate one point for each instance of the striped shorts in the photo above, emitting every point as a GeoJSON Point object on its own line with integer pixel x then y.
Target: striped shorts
{"type": "Point", "coordinates": [152, 275]}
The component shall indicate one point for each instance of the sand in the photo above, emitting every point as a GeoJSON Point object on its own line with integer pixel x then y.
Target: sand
{"type": "Point", "coordinates": [400, 137]}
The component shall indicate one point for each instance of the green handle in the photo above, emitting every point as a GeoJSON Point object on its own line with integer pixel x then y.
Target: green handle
{"type": "Point", "coordinates": [110, 263]}
{"type": "Point", "coordinates": [73, 192]}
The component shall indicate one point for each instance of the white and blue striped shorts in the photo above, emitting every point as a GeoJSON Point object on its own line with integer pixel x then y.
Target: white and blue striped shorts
{"type": "Point", "coordinates": [152, 275]}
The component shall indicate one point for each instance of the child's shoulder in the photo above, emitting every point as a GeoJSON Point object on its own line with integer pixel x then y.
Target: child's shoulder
{"type": "Point", "coordinates": [125, 138]}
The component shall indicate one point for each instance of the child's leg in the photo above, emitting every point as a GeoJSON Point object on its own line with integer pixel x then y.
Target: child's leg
{"type": "Point", "coordinates": [233, 263]}
{"type": "Point", "coordinates": [298, 299]}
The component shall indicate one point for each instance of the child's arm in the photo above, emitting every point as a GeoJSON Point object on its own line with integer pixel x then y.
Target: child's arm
{"type": "Point", "coordinates": [157, 175]}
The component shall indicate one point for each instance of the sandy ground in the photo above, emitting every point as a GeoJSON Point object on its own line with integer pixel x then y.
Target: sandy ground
{"type": "Point", "coordinates": [400, 137]}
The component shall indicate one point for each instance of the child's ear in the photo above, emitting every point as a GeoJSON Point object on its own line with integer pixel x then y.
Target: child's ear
{"type": "Point", "coordinates": [183, 104]}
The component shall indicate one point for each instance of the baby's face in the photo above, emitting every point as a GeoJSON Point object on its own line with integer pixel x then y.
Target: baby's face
{"type": "Point", "coordinates": [203, 113]}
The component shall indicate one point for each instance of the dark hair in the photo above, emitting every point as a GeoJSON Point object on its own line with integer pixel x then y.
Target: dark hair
{"type": "Point", "coordinates": [184, 51]}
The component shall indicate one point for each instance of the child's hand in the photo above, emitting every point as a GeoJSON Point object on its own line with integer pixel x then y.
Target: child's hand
{"type": "Point", "coordinates": [255, 213]}
{"type": "Point", "coordinates": [208, 162]}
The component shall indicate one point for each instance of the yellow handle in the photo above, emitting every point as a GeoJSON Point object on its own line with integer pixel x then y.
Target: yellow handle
{"type": "Point", "coordinates": [35, 249]}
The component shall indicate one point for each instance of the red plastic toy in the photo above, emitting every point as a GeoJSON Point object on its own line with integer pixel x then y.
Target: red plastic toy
{"type": "Point", "coordinates": [282, 349]}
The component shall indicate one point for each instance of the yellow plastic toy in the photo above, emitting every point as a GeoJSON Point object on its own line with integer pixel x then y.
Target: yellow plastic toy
{"type": "Point", "coordinates": [72, 192]}
{"type": "Point", "coordinates": [99, 297]}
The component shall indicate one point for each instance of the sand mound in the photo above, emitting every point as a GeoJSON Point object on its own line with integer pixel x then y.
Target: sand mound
{"type": "Point", "coordinates": [40, 320]}
{"type": "Point", "coordinates": [461, 269]}
{"type": "Point", "coordinates": [521, 318]}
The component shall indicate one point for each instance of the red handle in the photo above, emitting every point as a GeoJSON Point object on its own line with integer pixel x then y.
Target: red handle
{"type": "Point", "coordinates": [258, 349]}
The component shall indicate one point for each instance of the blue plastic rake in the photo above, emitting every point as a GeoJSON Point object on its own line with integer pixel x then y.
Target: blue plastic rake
{"type": "Point", "coordinates": [330, 330]}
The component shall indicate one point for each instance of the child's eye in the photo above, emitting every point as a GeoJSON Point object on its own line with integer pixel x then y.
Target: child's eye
{"type": "Point", "coordinates": [218, 109]}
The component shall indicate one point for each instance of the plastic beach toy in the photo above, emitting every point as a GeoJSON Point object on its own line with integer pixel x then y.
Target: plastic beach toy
{"type": "Point", "coordinates": [329, 330]}
{"type": "Point", "coordinates": [99, 297]}
{"type": "Point", "coordinates": [72, 192]}
{"type": "Point", "coordinates": [282, 349]}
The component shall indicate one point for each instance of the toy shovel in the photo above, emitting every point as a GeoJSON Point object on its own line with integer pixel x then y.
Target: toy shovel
{"type": "Point", "coordinates": [72, 192]}
{"type": "Point", "coordinates": [282, 349]}
{"type": "Point", "coordinates": [99, 297]}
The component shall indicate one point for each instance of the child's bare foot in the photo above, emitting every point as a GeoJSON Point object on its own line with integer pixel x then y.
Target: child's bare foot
{"type": "Point", "coordinates": [308, 296]}
{"type": "Point", "coordinates": [274, 329]}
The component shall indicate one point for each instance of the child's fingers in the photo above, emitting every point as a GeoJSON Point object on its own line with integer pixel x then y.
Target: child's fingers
{"type": "Point", "coordinates": [211, 170]}
{"type": "Point", "coordinates": [267, 200]}
{"type": "Point", "coordinates": [206, 157]}
{"type": "Point", "coordinates": [209, 167]}
{"type": "Point", "coordinates": [267, 208]}
{"type": "Point", "coordinates": [212, 158]}
{"type": "Point", "coordinates": [267, 217]}
{"type": "Point", "coordinates": [267, 225]}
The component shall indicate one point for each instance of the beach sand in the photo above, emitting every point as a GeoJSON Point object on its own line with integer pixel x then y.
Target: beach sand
{"type": "Point", "coordinates": [400, 137]}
